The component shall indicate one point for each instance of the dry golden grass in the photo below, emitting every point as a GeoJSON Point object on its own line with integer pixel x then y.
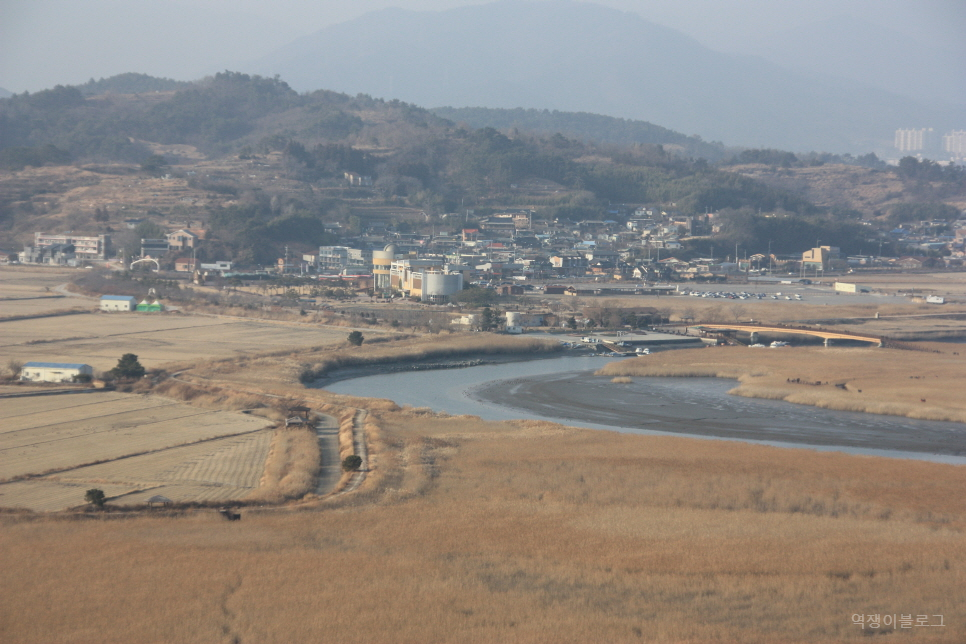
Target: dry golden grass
{"type": "Point", "coordinates": [281, 372]}
{"type": "Point", "coordinates": [915, 384]}
{"type": "Point", "coordinates": [621, 380]}
{"type": "Point", "coordinates": [346, 427]}
{"type": "Point", "coordinates": [423, 348]}
{"type": "Point", "coordinates": [211, 397]}
{"type": "Point", "coordinates": [291, 467]}
{"type": "Point", "coordinates": [520, 532]}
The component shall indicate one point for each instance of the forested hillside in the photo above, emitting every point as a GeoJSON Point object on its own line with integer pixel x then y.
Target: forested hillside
{"type": "Point", "coordinates": [407, 149]}
{"type": "Point", "coordinates": [584, 126]}
{"type": "Point", "coordinates": [416, 159]}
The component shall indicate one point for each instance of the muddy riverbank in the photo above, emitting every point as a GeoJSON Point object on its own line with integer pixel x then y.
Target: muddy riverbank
{"type": "Point", "coordinates": [702, 407]}
{"type": "Point", "coordinates": [566, 391]}
{"type": "Point", "coordinates": [456, 362]}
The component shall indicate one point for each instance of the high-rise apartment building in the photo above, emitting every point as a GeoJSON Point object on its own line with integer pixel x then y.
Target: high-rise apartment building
{"type": "Point", "coordinates": [955, 144]}
{"type": "Point", "coordinates": [914, 140]}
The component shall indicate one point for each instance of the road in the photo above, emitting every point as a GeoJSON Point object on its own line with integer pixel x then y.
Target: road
{"type": "Point", "coordinates": [330, 470]}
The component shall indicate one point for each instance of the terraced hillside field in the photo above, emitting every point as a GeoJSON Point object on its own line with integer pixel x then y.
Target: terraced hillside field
{"type": "Point", "coordinates": [53, 448]}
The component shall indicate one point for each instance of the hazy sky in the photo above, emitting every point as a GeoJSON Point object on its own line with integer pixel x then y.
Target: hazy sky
{"type": "Point", "coordinates": [49, 42]}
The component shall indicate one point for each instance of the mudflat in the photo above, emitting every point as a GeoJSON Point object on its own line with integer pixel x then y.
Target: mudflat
{"type": "Point", "coordinates": [702, 407]}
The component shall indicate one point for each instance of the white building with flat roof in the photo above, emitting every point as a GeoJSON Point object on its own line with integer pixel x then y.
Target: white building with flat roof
{"type": "Point", "coordinates": [118, 303]}
{"type": "Point", "coordinates": [85, 246]}
{"type": "Point", "coordinates": [54, 371]}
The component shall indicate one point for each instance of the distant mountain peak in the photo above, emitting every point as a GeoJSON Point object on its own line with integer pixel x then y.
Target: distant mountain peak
{"type": "Point", "coordinates": [583, 57]}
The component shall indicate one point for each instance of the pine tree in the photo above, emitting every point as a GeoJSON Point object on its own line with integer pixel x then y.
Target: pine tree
{"type": "Point", "coordinates": [486, 319]}
{"type": "Point", "coordinates": [128, 367]}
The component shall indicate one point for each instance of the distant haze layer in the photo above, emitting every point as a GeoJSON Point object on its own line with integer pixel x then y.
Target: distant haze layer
{"type": "Point", "coordinates": [585, 57]}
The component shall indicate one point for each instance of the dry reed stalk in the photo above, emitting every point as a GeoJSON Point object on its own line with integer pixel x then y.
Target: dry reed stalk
{"type": "Point", "coordinates": [881, 381]}
{"type": "Point", "coordinates": [573, 536]}
{"type": "Point", "coordinates": [422, 349]}
{"type": "Point", "coordinates": [291, 467]}
{"type": "Point", "coordinates": [347, 435]}
{"type": "Point", "coordinates": [621, 380]}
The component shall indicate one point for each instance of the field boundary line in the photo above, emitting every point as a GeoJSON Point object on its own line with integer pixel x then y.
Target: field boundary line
{"type": "Point", "coordinates": [153, 331]}
{"type": "Point", "coordinates": [53, 314]}
{"type": "Point", "coordinates": [116, 413]}
{"type": "Point", "coordinates": [311, 325]}
{"type": "Point", "coordinates": [25, 394]}
{"type": "Point", "coordinates": [88, 404]}
{"type": "Point", "coordinates": [32, 297]}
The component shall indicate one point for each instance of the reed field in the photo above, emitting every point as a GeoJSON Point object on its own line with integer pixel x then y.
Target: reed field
{"type": "Point", "coordinates": [926, 385]}
{"type": "Point", "coordinates": [290, 469]}
{"type": "Point", "coordinates": [471, 531]}
{"type": "Point", "coordinates": [278, 371]}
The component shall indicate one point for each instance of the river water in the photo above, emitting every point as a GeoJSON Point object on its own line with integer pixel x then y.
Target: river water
{"type": "Point", "coordinates": [565, 390]}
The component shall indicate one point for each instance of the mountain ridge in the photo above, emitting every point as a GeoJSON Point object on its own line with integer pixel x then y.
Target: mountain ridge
{"type": "Point", "coordinates": [582, 57]}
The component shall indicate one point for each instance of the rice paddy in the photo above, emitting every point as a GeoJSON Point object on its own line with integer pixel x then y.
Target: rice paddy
{"type": "Point", "coordinates": [55, 447]}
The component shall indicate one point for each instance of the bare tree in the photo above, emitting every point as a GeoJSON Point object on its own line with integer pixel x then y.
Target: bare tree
{"type": "Point", "coordinates": [664, 313]}
{"type": "Point", "coordinates": [737, 310]}
{"type": "Point", "coordinates": [14, 366]}
{"type": "Point", "coordinates": [596, 313]}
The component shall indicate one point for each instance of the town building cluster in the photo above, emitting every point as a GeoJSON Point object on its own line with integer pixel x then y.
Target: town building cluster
{"type": "Point", "coordinates": [509, 248]}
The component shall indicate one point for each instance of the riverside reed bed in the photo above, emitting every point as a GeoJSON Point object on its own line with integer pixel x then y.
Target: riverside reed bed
{"type": "Point", "coordinates": [475, 531]}
{"type": "Point", "coordinates": [291, 468]}
{"type": "Point", "coordinates": [285, 369]}
{"type": "Point", "coordinates": [424, 348]}
{"type": "Point", "coordinates": [916, 384]}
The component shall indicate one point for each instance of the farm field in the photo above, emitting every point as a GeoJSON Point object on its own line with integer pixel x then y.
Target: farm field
{"type": "Point", "coordinates": [130, 446]}
{"type": "Point", "coordinates": [99, 339]}
{"type": "Point", "coordinates": [28, 290]}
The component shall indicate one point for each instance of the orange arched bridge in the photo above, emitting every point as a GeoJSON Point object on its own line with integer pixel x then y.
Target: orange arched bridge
{"type": "Point", "coordinates": [828, 336]}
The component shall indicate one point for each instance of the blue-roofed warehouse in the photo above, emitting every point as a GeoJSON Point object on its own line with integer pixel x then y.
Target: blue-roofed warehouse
{"type": "Point", "coordinates": [118, 303]}
{"type": "Point", "coordinates": [55, 372]}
